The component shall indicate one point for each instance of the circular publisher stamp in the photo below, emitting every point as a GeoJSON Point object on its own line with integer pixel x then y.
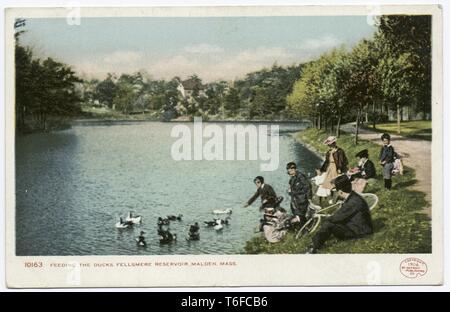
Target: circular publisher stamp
{"type": "Point", "coordinates": [413, 267]}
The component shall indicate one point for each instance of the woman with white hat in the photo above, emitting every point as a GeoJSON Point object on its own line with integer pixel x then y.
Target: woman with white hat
{"type": "Point", "coordinates": [335, 162]}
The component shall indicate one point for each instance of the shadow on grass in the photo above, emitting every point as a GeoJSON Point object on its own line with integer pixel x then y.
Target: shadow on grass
{"type": "Point", "coordinates": [404, 184]}
{"type": "Point", "coordinates": [418, 135]}
{"type": "Point", "coordinates": [378, 224]}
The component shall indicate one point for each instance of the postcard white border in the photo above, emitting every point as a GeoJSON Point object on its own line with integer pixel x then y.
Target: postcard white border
{"type": "Point", "coordinates": [295, 270]}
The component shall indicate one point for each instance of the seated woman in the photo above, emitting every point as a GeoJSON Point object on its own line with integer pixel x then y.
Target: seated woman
{"type": "Point", "coordinates": [364, 173]}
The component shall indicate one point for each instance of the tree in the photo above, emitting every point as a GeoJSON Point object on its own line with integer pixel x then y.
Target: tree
{"type": "Point", "coordinates": [406, 40]}
{"type": "Point", "coordinates": [124, 98]}
{"type": "Point", "coordinates": [397, 82]}
{"type": "Point", "coordinates": [361, 87]}
{"type": "Point", "coordinates": [106, 90]}
{"type": "Point", "coordinates": [260, 104]}
{"type": "Point", "coordinates": [23, 58]}
{"type": "Point", "coordinates": [317, 94]}
{"type": "Point", "coordinates": [232, 101]}
{"type": "Point", "coordinates": [52, 91]}
{"type": "Point", "coordinates": [271, 87]}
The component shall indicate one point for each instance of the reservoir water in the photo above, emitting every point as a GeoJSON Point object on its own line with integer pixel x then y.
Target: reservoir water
{"type": "Point", "coordinates": [72, 186]}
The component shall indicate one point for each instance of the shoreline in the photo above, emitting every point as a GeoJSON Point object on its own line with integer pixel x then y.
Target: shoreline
{"type": "Point", "coordinates": [99, 120]}
{"type": "Point", "coordinates": [68, 123]}
{"type": "Point", "coordinates": [296, 136]}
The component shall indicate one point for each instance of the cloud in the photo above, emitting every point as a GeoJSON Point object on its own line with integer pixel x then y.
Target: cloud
{"type": "Point", "coordinates": [115, 62]}
{"type": "Point", "coordinates": [251, 60]}
{"type": "Point", "coordinates": [121, 57]}
{"type": "Point", "coordinates": [208, 66]}
{"type": "Point", "coordinates": [227, 67]}
{"type": "Point", "coordinates": [319, 44]}
{"type": "Point", "coordinates": [203, 48]}
{"type": "Point", "coordinates": [205, 60]}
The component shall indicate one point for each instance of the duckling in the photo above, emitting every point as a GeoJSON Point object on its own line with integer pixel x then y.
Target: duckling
{"type": "Point", "coordinates": [194, 232]}
{"type": "Point", "coordinates": [165, 237]}
{"type": "Point", "coordinates": [175, 218]}
{"type": "Point", "coordinates": [162, 221]}
{"type": "Point", "coordinates": [141, 240]}
{"type": "Point", "coordinates": [210, 223]}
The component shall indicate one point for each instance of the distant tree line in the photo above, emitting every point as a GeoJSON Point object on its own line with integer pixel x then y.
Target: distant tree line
{"type": "Point", "coordinates": [260, 95]}
{"type": "Point", "coordinates": [391, 71]}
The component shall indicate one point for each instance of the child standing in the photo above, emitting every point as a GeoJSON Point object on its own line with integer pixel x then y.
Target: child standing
{"type": "Point", "coordinates": [387, 160]}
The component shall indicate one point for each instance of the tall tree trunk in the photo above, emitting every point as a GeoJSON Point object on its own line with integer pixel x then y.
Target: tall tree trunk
{"type": "Point", "coordinates": [338, 126]}
{"type": "Point", "coordinates": [357, 126]}
{"type": "Point", "coordinates": [320, 122]}
{"type": "Point", "coordinates": [367, 114]}
{"type": "Point", "coordinates": [374, 115]}
{"type": "Point", "coordinates": [398, 118]}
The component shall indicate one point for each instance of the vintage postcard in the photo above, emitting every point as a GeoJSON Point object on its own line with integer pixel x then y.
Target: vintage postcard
{"type": "Point", "coordinates": [224, 146]}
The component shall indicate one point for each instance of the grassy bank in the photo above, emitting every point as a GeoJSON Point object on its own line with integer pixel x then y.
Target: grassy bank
{"type": "Point", "coordinates": [399, 223]}
{"type": "Point", "coordinates": [419, 129]}
{"type": "Point", "coordinates": [110, 114]}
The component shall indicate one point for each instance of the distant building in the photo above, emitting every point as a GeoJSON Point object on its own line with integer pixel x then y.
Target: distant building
{"type": "Point", "coordinates": [188, 87]}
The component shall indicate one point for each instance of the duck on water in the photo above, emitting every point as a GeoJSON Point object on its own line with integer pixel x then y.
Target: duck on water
{"type": "Point", "coordinates": [123, 224]}
{"type": "Point", "coordinates": [194, 233]}
{"type": "Point", "coordinates": [165, 237]}
{"type": "Point", "coordinates": [140, 241]}
{"type": "Point", "coordinates": [133, 219]}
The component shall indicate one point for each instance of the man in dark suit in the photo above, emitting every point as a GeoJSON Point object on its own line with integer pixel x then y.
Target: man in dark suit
{"type": "Point", "coordinates": [265, 191]}
{"type": "Point", "coordinates": [352, 220]}
{"type": "Point", "coordinates": [300, 191]}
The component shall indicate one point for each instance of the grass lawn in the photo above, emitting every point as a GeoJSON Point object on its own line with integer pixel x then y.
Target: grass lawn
{"type": "Point", "coordinates": [400, 226]}
{"type": "Point", "coordinates": [420, 129]}
{"type": "Point", "coordinates": [110, 114]}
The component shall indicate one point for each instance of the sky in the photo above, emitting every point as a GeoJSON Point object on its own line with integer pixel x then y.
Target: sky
{"type": "Point", "coordinates": [214, 48]}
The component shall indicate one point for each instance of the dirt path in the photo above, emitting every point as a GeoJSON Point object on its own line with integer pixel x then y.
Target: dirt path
{"type": "Point", "coordinates": [415, 153]}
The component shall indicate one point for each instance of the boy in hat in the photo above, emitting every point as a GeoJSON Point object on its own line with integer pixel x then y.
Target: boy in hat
{"type": "Point", "coordinates": [364, 173]}
{"type": "Point", "coordinates": [387, 157]}
{"type": "Point", "coordinates": [352, 220]}
{"type": "Point", "coordinates": [366, 168]}
{"type": "Point", "coordinates": [265, 191]}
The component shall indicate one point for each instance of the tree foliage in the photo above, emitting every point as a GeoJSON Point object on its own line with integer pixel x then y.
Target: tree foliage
{"type": "Point", "coordinates": [44, 88]}
{"type": "Point", "coordinates": [392, 70]}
